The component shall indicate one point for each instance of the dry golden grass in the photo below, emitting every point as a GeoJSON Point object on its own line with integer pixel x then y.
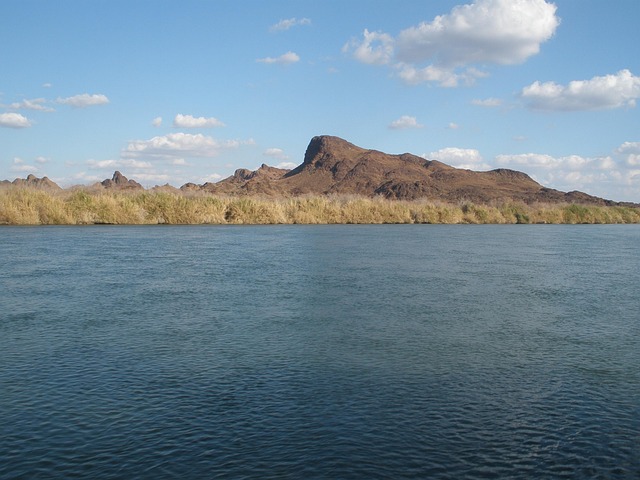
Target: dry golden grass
{"type": "Point", "coordinates": [23, 206]}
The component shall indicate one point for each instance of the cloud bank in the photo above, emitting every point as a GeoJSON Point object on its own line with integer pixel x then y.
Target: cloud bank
{"type": "Point", "coordinates": [179, 145]}
{"type": "Point", "coordinates": [600, 93]}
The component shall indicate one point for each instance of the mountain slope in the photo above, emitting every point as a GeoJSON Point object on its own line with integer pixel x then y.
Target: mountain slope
{"type": "Point", "coordinates": [334, 166]}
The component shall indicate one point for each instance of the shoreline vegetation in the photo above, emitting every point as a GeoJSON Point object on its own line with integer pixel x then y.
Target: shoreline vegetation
{"type": "Point", "coordinates": [30, 206]}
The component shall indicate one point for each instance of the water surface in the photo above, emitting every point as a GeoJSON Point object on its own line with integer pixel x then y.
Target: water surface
{"type": "Point", "coordinates": [416, 351]}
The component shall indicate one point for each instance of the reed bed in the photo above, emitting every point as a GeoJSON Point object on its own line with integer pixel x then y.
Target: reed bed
{"type": "Point", "coordinates": [24, 206]}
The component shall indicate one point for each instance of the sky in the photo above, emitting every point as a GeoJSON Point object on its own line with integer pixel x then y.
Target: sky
{"type": "Point", "coordinates": [190, 90]}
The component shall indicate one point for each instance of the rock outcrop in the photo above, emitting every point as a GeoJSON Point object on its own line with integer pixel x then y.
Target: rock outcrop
{"type": "Point", "coordinates": [34, 182]}
{"type": "Point", "coordinates": [120, 182]}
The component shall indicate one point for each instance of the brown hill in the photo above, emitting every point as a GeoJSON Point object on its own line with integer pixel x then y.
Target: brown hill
{"type": "Point", "coordinates": [34, 182]}
{"type": "Point", "coordinates": [334, 166]}
{"type": "Point", "coordinates": [264, 181]}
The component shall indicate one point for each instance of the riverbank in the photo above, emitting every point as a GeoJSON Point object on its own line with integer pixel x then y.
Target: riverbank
{"type": "Point", "coordinates": [25, 206]}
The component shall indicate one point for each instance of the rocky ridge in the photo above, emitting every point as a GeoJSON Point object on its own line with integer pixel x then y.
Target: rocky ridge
{"type": "Point", "coordinates": [332, 165]}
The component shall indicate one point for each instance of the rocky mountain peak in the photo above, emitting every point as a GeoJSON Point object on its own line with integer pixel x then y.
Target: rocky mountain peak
{"type": "Point", "coordinates": [120, 182]}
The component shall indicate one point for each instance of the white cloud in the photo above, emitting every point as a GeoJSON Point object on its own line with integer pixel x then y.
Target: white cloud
{"type": "Point", "coordinates": [405, 122]}
{"type": "Point", "coordinates": [629, 147]}
{"type": "Point", "coordinates": [20, 167]}
{"type": "Point", "coordinates": [630, 152]}
{"type": "Point", "coordinates": [84, 100]}
{"type": "Point", "coordinates": [189, 121]}
{"type": "Point", "coordinates": [503, 32]}
{"type": "Point", "coordinates": [376, 48]}
{"type": "Point", "coordinates": [289, 23]}
{"type": "Point", "coordinates": [467, 158]}
{"type": "Point", "coordinates": [24, 168]}
{"type": "Point", "coordinates": [214, 177]}
{"type": "Point", "coordinates": [157, 122]}
{"type": "Point", "coordinates": [287, 165]}
{"type": "Point", "coordinates": [117, 164]}
{"type": "Point", "coordinates": [487, 102]}
{"type": "Point", "coordinates": [284, 59]}
{"type": "Point", "coordinates": [615, 176]}
{"type": "Point", "coordinates": [14, 120]}
{"type": "Point", "coordinates": [486, 31]}
{"type": "Point", "coordinates": [47, 85]}
{"type": "Point", "coordinates": [593, 175]}
{"type": "Point", "coordinates": [42, 160]}
{"type": "Point", "coordinates": [34, 104]}
{"type": "Point", "coordinates": [179, 145]}
{"type": "Point", "coordinates": [453, 126]}
{"type": "Point", "coordinates": [606, 92]}
{"type": "Point", "coordinates": [148, 178]}
{"type": "Point", "coordinates": [276, 153]}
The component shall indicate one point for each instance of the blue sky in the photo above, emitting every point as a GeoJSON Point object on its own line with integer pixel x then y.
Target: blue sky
{"type": "Point", "coordinates": [176, 92]}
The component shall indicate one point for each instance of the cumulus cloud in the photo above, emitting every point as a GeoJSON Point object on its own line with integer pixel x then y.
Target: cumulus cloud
{"type": "Point", "coordinates": [467, 158]}
{"type": "Point", "coordinates": [283, 25]}
{"type": "Point", "coordinates": [375, 48]}
{"type": "Point", "coordinates": [189, 121]}
{"type": "Point", "coordinates": [600, 93]}
{"type": "Point", "coordinates": [84, 100]}
{"type": "Point", "coordinates": [157, 122]}
{"type": "Point", "coordinates": [284, 59]}
{"type": "Point", "coordinates": [630, 152]}
{"type": "Point", "coordinates": [487, 102]}
{"type": "Point", "coordinates": [453, 126]}
{"type": "Point", "coordinates": [405, 122]}
{"type": "Point", "coordinates": [42, 160]}
{"type": "Point", "coordinates": [179, 145]}
{"type": "Point", "coordinates": [503, 32]}
{"type": "Point", "coordinates": [14, 120]}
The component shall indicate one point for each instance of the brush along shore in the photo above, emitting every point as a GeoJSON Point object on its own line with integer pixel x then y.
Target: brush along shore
{"type": "Point", "coordinates": [27, 206]}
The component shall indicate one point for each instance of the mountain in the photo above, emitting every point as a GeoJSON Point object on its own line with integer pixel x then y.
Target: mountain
{"type": "Point", "coordinates": [120, 182]}
{"type": "Point", "coordinates": [33, 182]}
{"type": "Point", "coordinates": [334, 166]}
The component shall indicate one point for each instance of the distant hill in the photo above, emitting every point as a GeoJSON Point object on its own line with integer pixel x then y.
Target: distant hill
{"type": "Point", "coordinates": [334, 166]}
{"type": "Point", "coordinates": [33, 182]}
